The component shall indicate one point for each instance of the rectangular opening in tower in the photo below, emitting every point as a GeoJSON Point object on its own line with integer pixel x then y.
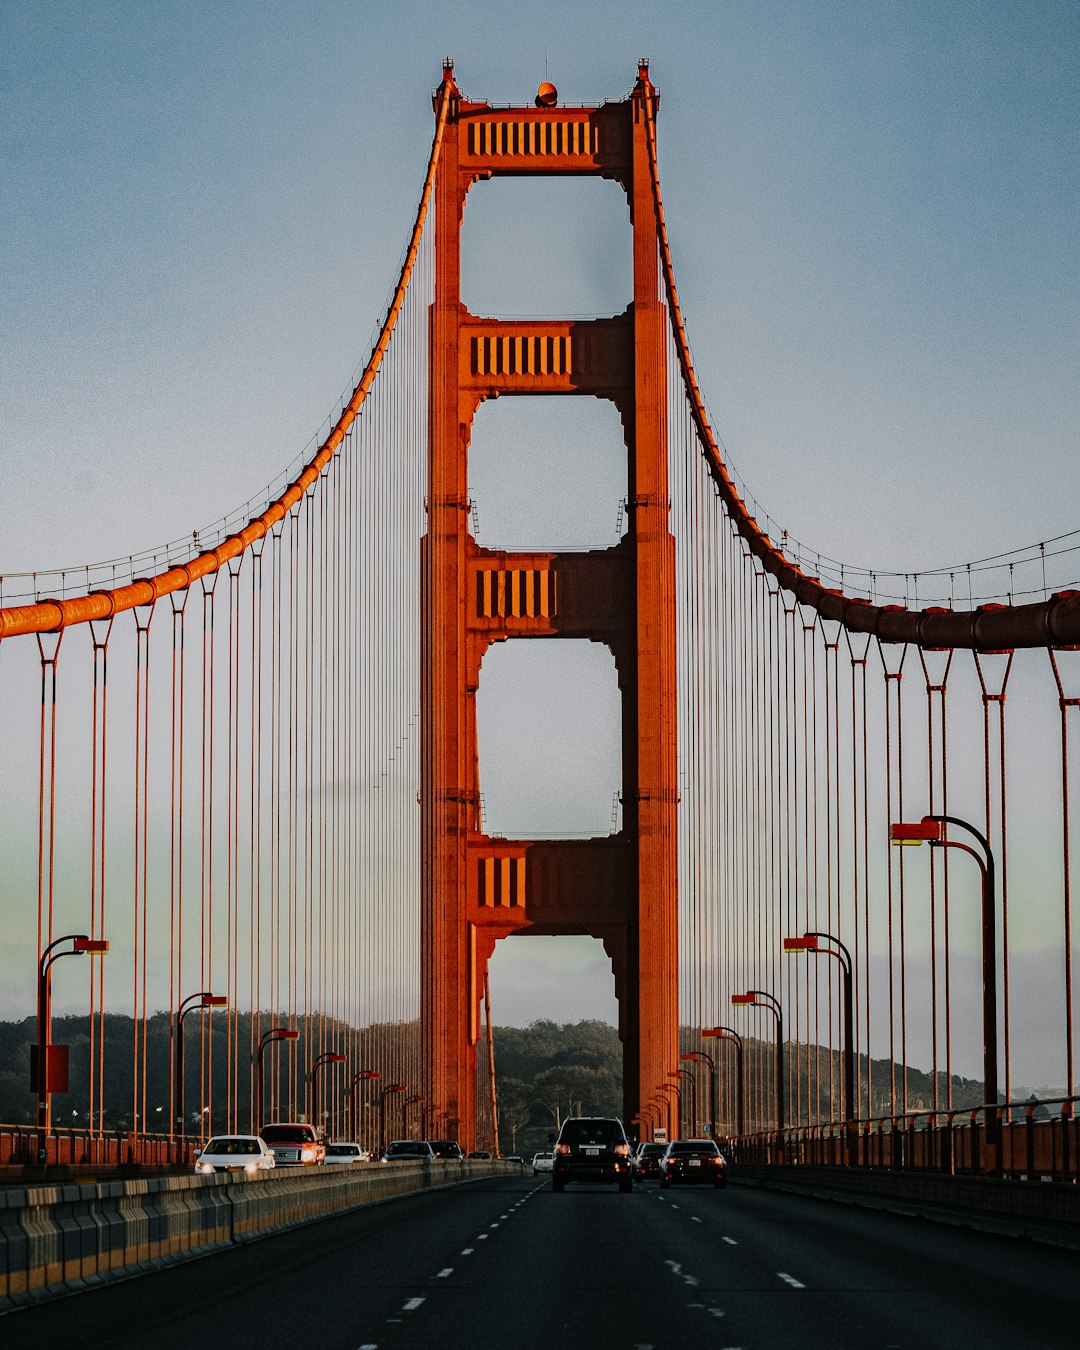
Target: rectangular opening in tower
{"type": "Point", "coordinates": [546, 247]}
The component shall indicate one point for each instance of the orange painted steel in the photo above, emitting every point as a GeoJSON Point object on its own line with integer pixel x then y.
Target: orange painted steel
{"type": "Point", "coordinates": [1054, 622]}
{"type": "Point", "coordinates": [47, 616]}
{"type": "Point", "coordinates": [476, 889]}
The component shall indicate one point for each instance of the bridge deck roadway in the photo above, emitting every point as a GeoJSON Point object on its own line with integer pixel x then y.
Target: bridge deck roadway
{"type": "Point", "coordinates": [508, 1263]}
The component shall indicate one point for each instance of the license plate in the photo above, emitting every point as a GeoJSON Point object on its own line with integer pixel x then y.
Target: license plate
{"type": "Point", "coordinates": [695, 1162]}
{"type": "Point", "coordinates": [592, 1153]}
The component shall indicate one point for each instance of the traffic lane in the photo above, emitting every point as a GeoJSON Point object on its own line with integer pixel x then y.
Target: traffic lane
{"type": "Point", "coordinates": [316, 1283]}
{"type": "Point", "coordinates": [862, 1277]}
{"type": "Point", "coordinates": [579, 1270]}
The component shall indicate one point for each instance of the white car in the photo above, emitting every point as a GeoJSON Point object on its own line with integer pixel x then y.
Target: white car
{"type": "Point", "coordinates": [234, 1153]}
{"type": "Point", "coordinates": [344, 1152]}
{"type": "Point", "coordinates": [542, 1162]}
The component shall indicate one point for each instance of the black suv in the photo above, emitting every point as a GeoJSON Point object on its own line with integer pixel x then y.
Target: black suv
{"type": "Point", "coordinates": [591, 1148]}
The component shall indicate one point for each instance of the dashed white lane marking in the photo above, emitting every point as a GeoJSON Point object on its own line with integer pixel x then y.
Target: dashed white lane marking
{"type": "Point", "coordinates": [730, 1241]}
{"type": "Point", "coordinates": [482, 1237]}
{"type": "Point", "coordinates": [676, 1269]}
{"type": "Point", "coordinates": [368, 1345]}
{"type": "Point", "coordinates": [411, 1304]}
{"type": "Point", "coordinates": [467, 1251]}
{"type": "Point", "coordinates": [446, 1270]}
{"type": "Point", "coordinates": [694, 1219]}
{"type": "Point", "coordinates": [790, 1279]}
{"type": "Point", "coordinates": [493, 1225]}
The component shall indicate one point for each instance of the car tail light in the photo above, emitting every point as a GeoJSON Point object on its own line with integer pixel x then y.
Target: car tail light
{"type": "Point", "coordinates": [307, 1155]}
{"type": "Point", "coordinates": [623, 1150]}
{"type": "Point", "coordinates": [562, 1148]}
{"type": "Point", "coordinates": [718, 1161]}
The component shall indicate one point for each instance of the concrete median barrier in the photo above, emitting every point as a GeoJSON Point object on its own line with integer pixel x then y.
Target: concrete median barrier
{"type": "Point", "coordinates": [64, 1238]}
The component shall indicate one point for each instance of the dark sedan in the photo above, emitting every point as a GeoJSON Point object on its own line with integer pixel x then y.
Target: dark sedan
{"type": "Point", "coordinates": [646, 1161]}
{"type": "Point", "coordinates": [693, 1160]}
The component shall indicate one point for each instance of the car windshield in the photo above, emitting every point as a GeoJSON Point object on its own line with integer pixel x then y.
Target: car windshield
{"type": "Point", "coordinates": [592, 1132]}
{"type": "Point", "coordinates": [232, 1146]}
{"type": "Point", "coordinates": [694, 1146]}
{"type": "Point", "coordinates": [289, 1134]}
{"type": "Point", "coordinates": [343, 1150]}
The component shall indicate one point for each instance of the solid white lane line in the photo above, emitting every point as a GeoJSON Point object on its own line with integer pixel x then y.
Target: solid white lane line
{"type": "Point", "coordinates": [411, 1304]}
{"type": "Point", "coordinates": [790, 1279]}
{"type": "Point", "coordinates": [446, 1270]}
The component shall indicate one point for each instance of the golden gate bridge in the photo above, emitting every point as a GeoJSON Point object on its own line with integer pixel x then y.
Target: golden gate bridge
{"type": "Point", "coordinates": [243, 770]}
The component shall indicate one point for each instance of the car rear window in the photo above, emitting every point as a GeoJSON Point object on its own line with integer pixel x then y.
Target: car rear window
{"type": "Point", "coordinates": [695, 1146]}
{"type": "Point", "coordinates": [592, 1132]}
{"type": "Point", "coordinates": [343, 1150]}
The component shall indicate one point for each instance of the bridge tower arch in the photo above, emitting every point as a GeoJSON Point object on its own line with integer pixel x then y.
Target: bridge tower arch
{"type": "Point", "coordinates": [621, 888]}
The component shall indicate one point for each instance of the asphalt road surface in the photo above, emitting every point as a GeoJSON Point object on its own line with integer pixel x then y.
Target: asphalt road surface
{"type": "Point", "coordinates": [507, 1263]}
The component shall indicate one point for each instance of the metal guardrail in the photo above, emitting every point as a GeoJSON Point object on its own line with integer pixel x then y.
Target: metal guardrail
{"type": "Point", "coordinates": [1004, 1139]}
{"type": "Point", "coordinates": [67, 1147]}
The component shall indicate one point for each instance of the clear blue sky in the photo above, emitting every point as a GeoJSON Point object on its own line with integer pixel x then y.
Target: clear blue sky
{"type": "Point", "coordinates": [875, 212]}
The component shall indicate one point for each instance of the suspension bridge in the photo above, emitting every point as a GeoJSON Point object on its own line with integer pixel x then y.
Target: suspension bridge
{"type": "Point", "coordinates": [244, 781]}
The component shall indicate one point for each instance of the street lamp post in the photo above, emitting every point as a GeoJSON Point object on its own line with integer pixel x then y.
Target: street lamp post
{"type": "Point", "coordinates": [203, 999]}
{"type": "Point", "coordinates": [672, 1087]}
{"type": "Point", "coordinates": [363, 1075]}
{"type": "Point", "coordinates": [931, 830]}
{"type": "Point", "coordinates": [386, 1092]}
{"type": "Point", "coordinates": [700, 1057]}
{"type": "Point", "coordinates": [416, 1098]}
{"type": "Point", "coordinates": [274, 1034]}
{"type": "Point", "coordinates": [685, 1073]}
{"type": "Point", "coordinates": [330, 1057]}
{"type": "Point", "coordinates": [758, 998]}
{"type": "Point", "coordinates": [48, 1063]}
{"type": "Point", "coordinates": [727, 1034]}
{"type": "Point", "coordinates": [662, 1107]}
{"type": "Point", "coordinates": [811, 942]}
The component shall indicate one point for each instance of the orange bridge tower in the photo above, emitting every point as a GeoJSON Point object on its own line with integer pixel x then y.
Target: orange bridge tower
{"type": "Point", "coordinates": [620, 888]}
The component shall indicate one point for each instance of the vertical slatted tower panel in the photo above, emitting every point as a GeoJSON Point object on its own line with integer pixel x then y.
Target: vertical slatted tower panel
{"type": "Point", "coordinates": [622, 888]}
